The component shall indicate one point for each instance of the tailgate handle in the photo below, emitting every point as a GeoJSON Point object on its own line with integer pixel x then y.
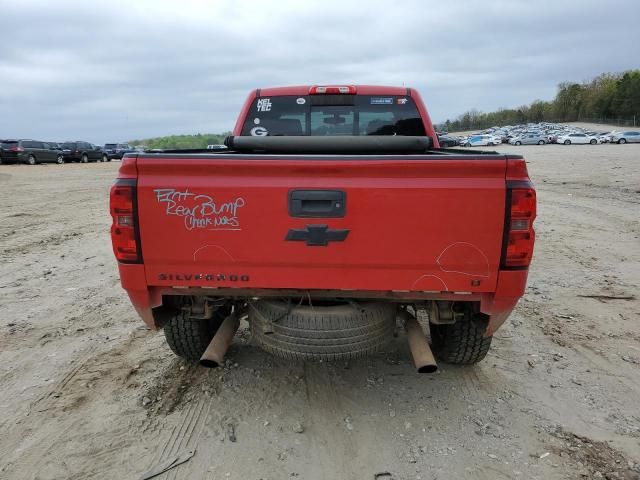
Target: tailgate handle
{"type": "Point", "coordinates": [317, 203]}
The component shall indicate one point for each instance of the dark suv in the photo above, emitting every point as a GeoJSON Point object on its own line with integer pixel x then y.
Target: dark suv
{"type": "Point", "coordinates": [117, 150]}
{"type": "Point", "coordinates": [82, 152]}
{"type": "Point", "coordinates": [29, 151]}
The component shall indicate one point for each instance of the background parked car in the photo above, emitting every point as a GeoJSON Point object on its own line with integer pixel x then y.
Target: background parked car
{"type": "Point", "coordinates": [104, 157]}
{"type": "Point", "coordinates": [626, 137]}
{"type": "Point", "coordinates": [117, 150]}
{"type": "Point", "coordinates": [30, 151]}
{"type": "Point", "coordinates": [529, 139]}
{"type": "Point", "coordinates": [578, 138]}
{"type": "Point", "coordinates": [605, 137]}
{"type": "Point", "coordinates": [482, 141]}
{"type": "Point", "coordinates": [447, 141]}
{"type": "Point", "coordinates": [81, 152]}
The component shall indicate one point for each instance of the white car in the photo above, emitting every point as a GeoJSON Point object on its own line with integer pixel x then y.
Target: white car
{"type": "Point", "coordinates": [605, 137]}
{"type": "Point", "coordinates": [579, 138]}
{"type": "Point", "coordinates": [626, 137]}
{"type": "Point", "coordinates": [482, 141]}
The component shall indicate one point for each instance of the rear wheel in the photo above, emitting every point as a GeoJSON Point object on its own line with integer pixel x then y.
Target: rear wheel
{"type": "Point", "coordinates": [60, 159]}
{"type": "Point", "coordinates": [338, 331]}
{"type": "Point", "coordinates": [567, 142]}
{"type": "Point", "coordinates": [541, 142]}
{"type": "Point", "coordinates": [31, 160]}
{"type": "Point", "coordinates": [84, 158]}
{"type": "Point", "coordinates": [105, 158]}
{"type": "Point", "coordinates": [463, 342]}
{"type": "Point", "coordinates": [593, 141]}
{"type": "Point", "coordinates": [622, 140]}
{"type": "Point", "coordinates": [189, 337]}
{"type": "Point", "coordinates": [518, 143]}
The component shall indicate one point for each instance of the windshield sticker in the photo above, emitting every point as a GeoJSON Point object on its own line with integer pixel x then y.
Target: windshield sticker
{"type": "Point", "coordinates": [402, 101]}
{"type": "Point", "coordinates": [264, 105]}
{"type": "Point", "coordinates": [381, 101]}
{"type": "Point", "coordinates": [259, 132]}
{"type": "Point", "coordinates": [200, 211]}
{"type": "Point", "coordinates": [301, 101]}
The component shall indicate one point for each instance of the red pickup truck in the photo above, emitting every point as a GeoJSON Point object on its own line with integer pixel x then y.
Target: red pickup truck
{"type": "Point", "coordinates": [332, 216]}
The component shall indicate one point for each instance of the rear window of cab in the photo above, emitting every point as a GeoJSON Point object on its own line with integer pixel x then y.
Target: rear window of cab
{"type": "Point", "coordinates": [331, 115]}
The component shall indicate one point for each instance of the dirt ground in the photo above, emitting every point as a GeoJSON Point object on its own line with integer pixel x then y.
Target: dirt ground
{"type": "Point", "coordinates": [87, 392]}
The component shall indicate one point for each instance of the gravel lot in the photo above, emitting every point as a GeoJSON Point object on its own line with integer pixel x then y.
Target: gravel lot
{"type": "Point", "coordinates": [87, 392]}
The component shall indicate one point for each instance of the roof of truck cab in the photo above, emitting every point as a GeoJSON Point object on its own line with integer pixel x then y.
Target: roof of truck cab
{"type": "Point", "coordinates": [304, 90]}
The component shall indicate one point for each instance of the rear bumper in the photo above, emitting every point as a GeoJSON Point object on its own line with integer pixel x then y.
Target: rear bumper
{"type": "Point", "coordinates": [11, 158]}
{"type": "Point", "coordinates": [497, 305]}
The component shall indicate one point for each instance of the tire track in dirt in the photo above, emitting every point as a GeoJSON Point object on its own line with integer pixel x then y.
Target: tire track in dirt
{"type": "Point", "coordinates": [88, 385]}
{"type": "Point", "coordinates": [187, 430]}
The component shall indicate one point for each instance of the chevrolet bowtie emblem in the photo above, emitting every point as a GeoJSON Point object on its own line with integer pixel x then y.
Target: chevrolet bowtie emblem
{"type": "Point", "coordinates": [316, 235]}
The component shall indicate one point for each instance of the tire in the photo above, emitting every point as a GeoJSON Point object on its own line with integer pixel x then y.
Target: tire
{"type": "Point", "coordinates": [622, 140]}
{"type": "Point", "coordinates": [84, 158]}
{"type": "Point", "coordinates": [188, 337]}
{"type": "Point", "coordinates": [541, 142]}
{"type": "Point", "coordinates": [31, 160]}
{"type": "Point", "coordinates": [328, 333]}
{"type": "Point", "coordinates": [518, 143]}
{"type": "Point", "coordinates": [567, 142]}
{"type": "Point", "coordinates": [60, 159]}
{"type": "Point", "coordinates": [463, 342]}
{"type": "Point", "coordinates": [593, 142]}
{"type": "Point", "coordinates": [105, 158]}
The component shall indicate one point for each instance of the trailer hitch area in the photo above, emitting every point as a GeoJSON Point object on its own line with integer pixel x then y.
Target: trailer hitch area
{"type": "Point", "coordinates": [202, 308]}
{"type": "Point", "coordinates": [444, 312]}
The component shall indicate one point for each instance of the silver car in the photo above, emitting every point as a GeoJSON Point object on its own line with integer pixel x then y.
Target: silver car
{"type": "Point", "coordinates": [625, 137]}
{"type": "Point", "coordinates": [529, 139]}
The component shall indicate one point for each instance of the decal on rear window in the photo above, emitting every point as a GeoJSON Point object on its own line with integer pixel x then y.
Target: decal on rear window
{"type": "Point", "coordinates": [259, 132]}
{"type": "Point", "coordinates": [381, 101]}
{"type": "Point", "coordinates": [264, 105]}
{"type": "Point", "coordinates": [301, 101]}
{"type": "Point", "coordinates": [201, 211]}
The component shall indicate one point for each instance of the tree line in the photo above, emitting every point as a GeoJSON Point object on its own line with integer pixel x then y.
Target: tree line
{"type": "Point", "coordinates": [608, 98]}
{"type": "Point", "coordinates": [199, 140]}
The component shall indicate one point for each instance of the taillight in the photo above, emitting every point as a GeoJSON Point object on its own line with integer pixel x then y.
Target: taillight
{"type": "Point", "coordinates": [334, 89]}
{"type": "Point", "coordinates": [124, 228]}
{"type": "Point", "coordinates": [519, 234]}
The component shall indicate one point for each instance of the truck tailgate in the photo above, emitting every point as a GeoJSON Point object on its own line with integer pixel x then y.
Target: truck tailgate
{"type": "Point", "coordinates": [409, 223]}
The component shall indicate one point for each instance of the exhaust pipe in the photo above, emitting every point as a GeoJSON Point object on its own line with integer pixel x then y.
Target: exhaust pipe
{"type": "Point", "coordinates": [420, 349]}
{"type": "Point", "coordinates": [213, 356]}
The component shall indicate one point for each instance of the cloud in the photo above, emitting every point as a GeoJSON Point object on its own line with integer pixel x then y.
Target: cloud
{"type": "Point", "coordinates": [116, 70]}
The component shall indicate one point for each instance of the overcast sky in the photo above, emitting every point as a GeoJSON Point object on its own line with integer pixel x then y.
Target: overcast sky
{"type": "Point", "coordinates": [121, 70]}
